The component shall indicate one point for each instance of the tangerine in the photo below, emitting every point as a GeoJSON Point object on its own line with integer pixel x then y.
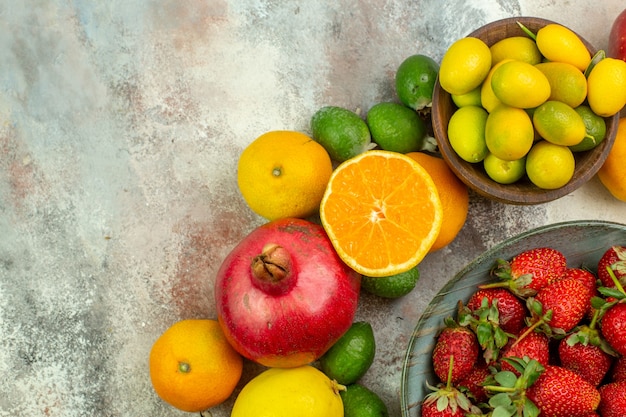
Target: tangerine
{"type": "Point", "coordinates": [193, 367]}
{"type": "Point", "coordinates": [612, 174]}
{"type": "Point", "coordinates": [453, 193]}
{"type": "Point", "coordinates": [382, 212]}
{"type": "Point", "coordinates": [283, 174]}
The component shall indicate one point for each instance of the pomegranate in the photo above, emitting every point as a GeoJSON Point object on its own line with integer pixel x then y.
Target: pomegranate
{"type": "Point", "coordinates": [283, 295]}
{"type": "Point", "coordinates": [617, 37]}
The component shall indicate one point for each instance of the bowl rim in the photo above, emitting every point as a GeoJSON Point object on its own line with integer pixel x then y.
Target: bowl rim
{"type": "Point", "coordinates": [510, 194]}
{"type": "Point", "coordinates": [431, 313]}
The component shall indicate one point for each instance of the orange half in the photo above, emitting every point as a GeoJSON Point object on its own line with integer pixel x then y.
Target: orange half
{"type": "Point", "coordinates": [382, 212]}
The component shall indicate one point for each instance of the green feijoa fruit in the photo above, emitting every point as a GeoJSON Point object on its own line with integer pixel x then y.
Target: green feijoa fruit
{"type": "Point", "coordinates": [359, 401]}
{"type": "Point", "coordinates": [342, 132]}
{"type": "Point", "coordinates": [392, 286]}
{"type": "Point", "coordinates": [415, 81]}
{"type": "Point", "coordinates": [395, 127]}
{"type": "Point", "coordinates": [351, 356]}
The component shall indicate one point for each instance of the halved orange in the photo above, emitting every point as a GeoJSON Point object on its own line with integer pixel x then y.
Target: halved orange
{"type": "Point", "coordinates": [382, 212]}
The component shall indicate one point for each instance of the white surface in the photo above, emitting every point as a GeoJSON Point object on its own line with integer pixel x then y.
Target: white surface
{"type": "Point", "coordinates": [120, 126]}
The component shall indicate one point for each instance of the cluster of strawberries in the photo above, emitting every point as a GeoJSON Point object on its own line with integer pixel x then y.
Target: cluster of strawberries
{"type": "Point", "coordinates": [544, 339]}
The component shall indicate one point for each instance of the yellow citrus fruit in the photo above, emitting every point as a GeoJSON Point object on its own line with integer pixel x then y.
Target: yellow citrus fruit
{"type": "Point", "coordinates": [519, 84]}
{"type": "Point", "coordinates": [606, 87]}
{"type": "Point", "coordinates": [286, 392]}
{"type": "Point", "coordinates": [283, 174]}
{"type": "Point", "coordinates": [612, 174]}
{"type": "Point", "coordinates": [193, 367]}
{"type": "Point", "coordinates": [558, 123]}
{"type": "Point", "coordinates": [560, 44]}
{"type": "Point", "coordinates": [468, 99]}
{"type": "Point", "coordinates": [464, 65]}
{"type": "Point", "coordinates": [382, 213]}
{"type": "Point", "coordinates": [487, 97]}
{"type": "Point", "coordinates": [567, 83]}
{"type": "Point", "coordinates": [550, 166]}
{"type": "Point", "coordinates": [453, 194]}
{"type": "Point", "coordinates": [509, 133]}
{"type": "Point", "coordinates": [519, 48]}
{"type": "Point", "coordinates": [504, 172]}
{"type": "Point", "coordinates": [466, 133]}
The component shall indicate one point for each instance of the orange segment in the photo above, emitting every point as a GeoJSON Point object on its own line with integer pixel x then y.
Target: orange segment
{"type": "Point", "coordinates": [382, 212]}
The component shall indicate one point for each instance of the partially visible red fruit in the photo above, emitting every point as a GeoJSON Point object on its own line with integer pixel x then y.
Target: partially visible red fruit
{"type": "Point", "coordinates": [568, 299]}
{"type": "Point", "coordinates": [530, 271]}
{"type": "Point", "coordinates": [618, 371]}
{"type": "Point", "coordinates": [511, 310]}
{"type": "Point", "coordinates": [534, 345]}
{"type": "Point", "coordinates": [615, 258]}
{"type": "Point", "coordinates": [613, 399]}
{"type": "Point", "coordinates": [460, 343]}
{"type": "Point", "coordinates": [587, 360]}
{"type": "Point", "coordinates": [617, 37]}
{"type": "Point", "coordinates": [559, 392]}
{"type": "Point", "coordinates": [613, 326]}
{"type": "Point", "coordinates": [587, 278]}
{"type": "Point", "coordinates": [474, 382]}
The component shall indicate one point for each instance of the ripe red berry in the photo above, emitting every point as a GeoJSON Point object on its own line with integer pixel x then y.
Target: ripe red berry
{"type": "Point", "coordinates": [615, 258]}
{"type": "Point", "coordinates": [461, 344]}
{"type": "Point", "coordinates": [613, 399]}
{"type": "Point", "coordinates": [534, 345]}
{"type": "Point", "coordinates": [613, 326]}
{"type": "Point", "coordinates": [568, 299]}
{"type": "Point", "coordinates": [511, 310]}
{"type": "Point", "coordinates": [559, 392]}
{"type": "Point", "coordinates": [587, 360]}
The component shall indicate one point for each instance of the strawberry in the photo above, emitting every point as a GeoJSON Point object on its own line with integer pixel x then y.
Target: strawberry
{"type": "Point", "coordinates": [586, 277]}
{"type": "Point", "coordinates": [445, 400]}
{"type": "Point", "coordinates": [585, 359]}
{"type": "Point", "coordinates": [613, 326]}
{"type": "Point", "coordinates": [529, 271]}
{"type": "Point", "coordinates": [615, 258]}
{"type": "Point", "coordinates": [456, 342]}
{"type": "Point", "coordinates": [562, 305]}
{"type": "Point", "coordinates": [559, 392]}
{"type": "Point", "coordinates": [511, 310]}
{"type": "Point", "coordinates": [535, 345]}
{"type": "Point", "coordinates": [618, 371]}
{"type": "Point", "coordinates": [613, 399]}
{"type": "Point", "coordinates": [474, 382]}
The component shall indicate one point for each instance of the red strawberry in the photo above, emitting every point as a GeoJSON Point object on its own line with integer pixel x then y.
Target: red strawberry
{"type": "Point", "coordinates": [445, 400]}
{"type": "Point", "coordinates": [586, 277]}
{"type": "Point", "coordinates": [511, 310]}
{"type": "Point", "coordinates": [534, 345]}
{"type": "Point", "coordinates": [568, 299]}
{"type": "Point", "coordinates": [457, 342]}
{"type": "Point", "coordinates": [613, 326]}
{"type": "Point", "coordinates": [475, 380]}
{"type": "Point", "coordinates": [618, 372]}
{"type": "Point", "coordinates": [613, 399]}
{"type": "Point", "coordinates": [529, 271]}
{"type": "Point", "coordinates": [615, 258]}
{"type": "Point", "coordinates": [585, 359]}
{"type": "Point", "coordinates": [559, 392]}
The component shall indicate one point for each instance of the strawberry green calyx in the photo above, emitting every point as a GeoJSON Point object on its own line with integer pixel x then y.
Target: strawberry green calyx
{"type": "Point", "coordinates": [485, 323]}
{"type": "Point", "coordinates": [510, 390]}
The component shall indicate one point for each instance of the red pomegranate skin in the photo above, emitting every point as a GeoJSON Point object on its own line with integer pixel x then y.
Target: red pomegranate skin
{"type": "Point", "coordinates": [617, 37]}
{"type": "Point", "coordinates": [292, 318]}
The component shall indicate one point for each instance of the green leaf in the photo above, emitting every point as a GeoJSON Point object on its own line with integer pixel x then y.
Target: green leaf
{"type": "Point", "coordinates": [506, 378]}
{"type": "Point", "coordinates": [530, 409]}
{"type": "Point", "coordinates": [500, 400]}
{"type": "Point", "coordinates": [503, 411]}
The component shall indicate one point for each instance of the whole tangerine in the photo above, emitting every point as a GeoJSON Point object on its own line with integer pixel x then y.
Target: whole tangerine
{"type": "Point", "coordinates": [193, 367]}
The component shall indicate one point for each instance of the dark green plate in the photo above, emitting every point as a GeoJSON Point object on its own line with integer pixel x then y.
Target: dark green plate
{"type": "Point", "coordinates": [582, 243]}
